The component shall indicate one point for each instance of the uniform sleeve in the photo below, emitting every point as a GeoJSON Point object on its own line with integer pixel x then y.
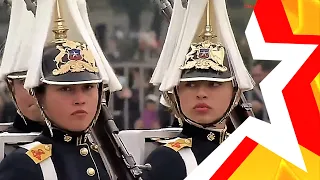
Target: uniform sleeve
{"type": "Point", "coordinates": [17, 166]}
{"type": "Point", "coordinates": [166, 164]}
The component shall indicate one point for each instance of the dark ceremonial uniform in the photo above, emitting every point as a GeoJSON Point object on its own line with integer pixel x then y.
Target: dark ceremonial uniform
{"type": "Point", "coordinates": [19, 126]}
{"type": "Point", "coordinates": [166, 161]}
{"type": "Point", "coordinates": [72, 157]}
{"type": "Point", "coordinates": [175, 123]}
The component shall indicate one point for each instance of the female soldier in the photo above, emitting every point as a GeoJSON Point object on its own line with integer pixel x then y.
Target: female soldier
{"type": "Point", "coordinates": [13, 70]}
{"type": "Point", "coordinates": [68, 88]}
{"type": "Point", "coordinates": [202, 93]}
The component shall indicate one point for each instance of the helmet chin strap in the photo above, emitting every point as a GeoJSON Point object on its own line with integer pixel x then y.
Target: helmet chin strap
{"type": "Point", "coordinates": [10, 87]}
{"type": "Point", "coordinates": [49, 123]}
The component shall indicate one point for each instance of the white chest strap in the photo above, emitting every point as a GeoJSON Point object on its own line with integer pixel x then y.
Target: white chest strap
{"type": "Point", "coordinates": [47, 167]}
{"type": "Point", "coordinates": [189, 159]}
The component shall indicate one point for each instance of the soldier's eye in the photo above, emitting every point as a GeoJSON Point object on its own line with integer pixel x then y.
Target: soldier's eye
{"type": "Point", "coordinates": [65, 89]}
{"type": "Point", "coordinates": [215, 84]}
{"type": "Point", "coordinates": [190, 84]}
{"type": "Point", "coordinates": [89, 86]}
{"type": "Point", "coordinates": [21, 81]}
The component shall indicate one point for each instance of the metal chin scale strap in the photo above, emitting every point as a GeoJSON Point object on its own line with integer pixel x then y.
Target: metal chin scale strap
{"type": "Point", "coordinates": [46, 120]}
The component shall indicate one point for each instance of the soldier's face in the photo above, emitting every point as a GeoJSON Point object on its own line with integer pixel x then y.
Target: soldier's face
{"type": "Point", "coordinates": [26, 103]}
{"type": "Point", "coordinates": [71, 107]}
{"type": "Point", "coordinates": [204, 101]}
{"type": "Point", "coordinates": [258, 74]}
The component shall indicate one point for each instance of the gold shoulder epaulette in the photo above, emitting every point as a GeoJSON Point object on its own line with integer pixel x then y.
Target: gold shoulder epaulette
{"type": "Point", "coordinates": [179, 143]}
{"type": "Point", "coordinates": [40, 152]}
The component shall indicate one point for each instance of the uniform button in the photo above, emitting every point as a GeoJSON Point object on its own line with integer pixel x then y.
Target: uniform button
{"type": "Point", "coordinates": [187, 141]}
{"type": "Point", "coordinates": [91, 172]}
{"type": "Point", "coordinates": [84, 151]}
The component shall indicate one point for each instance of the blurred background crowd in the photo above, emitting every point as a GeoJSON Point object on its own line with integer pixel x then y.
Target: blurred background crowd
{"type": "Point", "coordinates": [132, 33]}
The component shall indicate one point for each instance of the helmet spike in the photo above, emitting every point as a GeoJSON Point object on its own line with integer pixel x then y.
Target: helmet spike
{"type": "Point", "coordinates": [60, 30]}
{"type": "Point", "coordinates": [208, 33]}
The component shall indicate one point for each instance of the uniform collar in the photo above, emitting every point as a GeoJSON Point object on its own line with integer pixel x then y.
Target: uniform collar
{"type": "Point", "coordinates": [214, 135]}
{"type": "Point", "coordinates": [29, 126]}
{"type": "Point", "coordinates": [76, 138]}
